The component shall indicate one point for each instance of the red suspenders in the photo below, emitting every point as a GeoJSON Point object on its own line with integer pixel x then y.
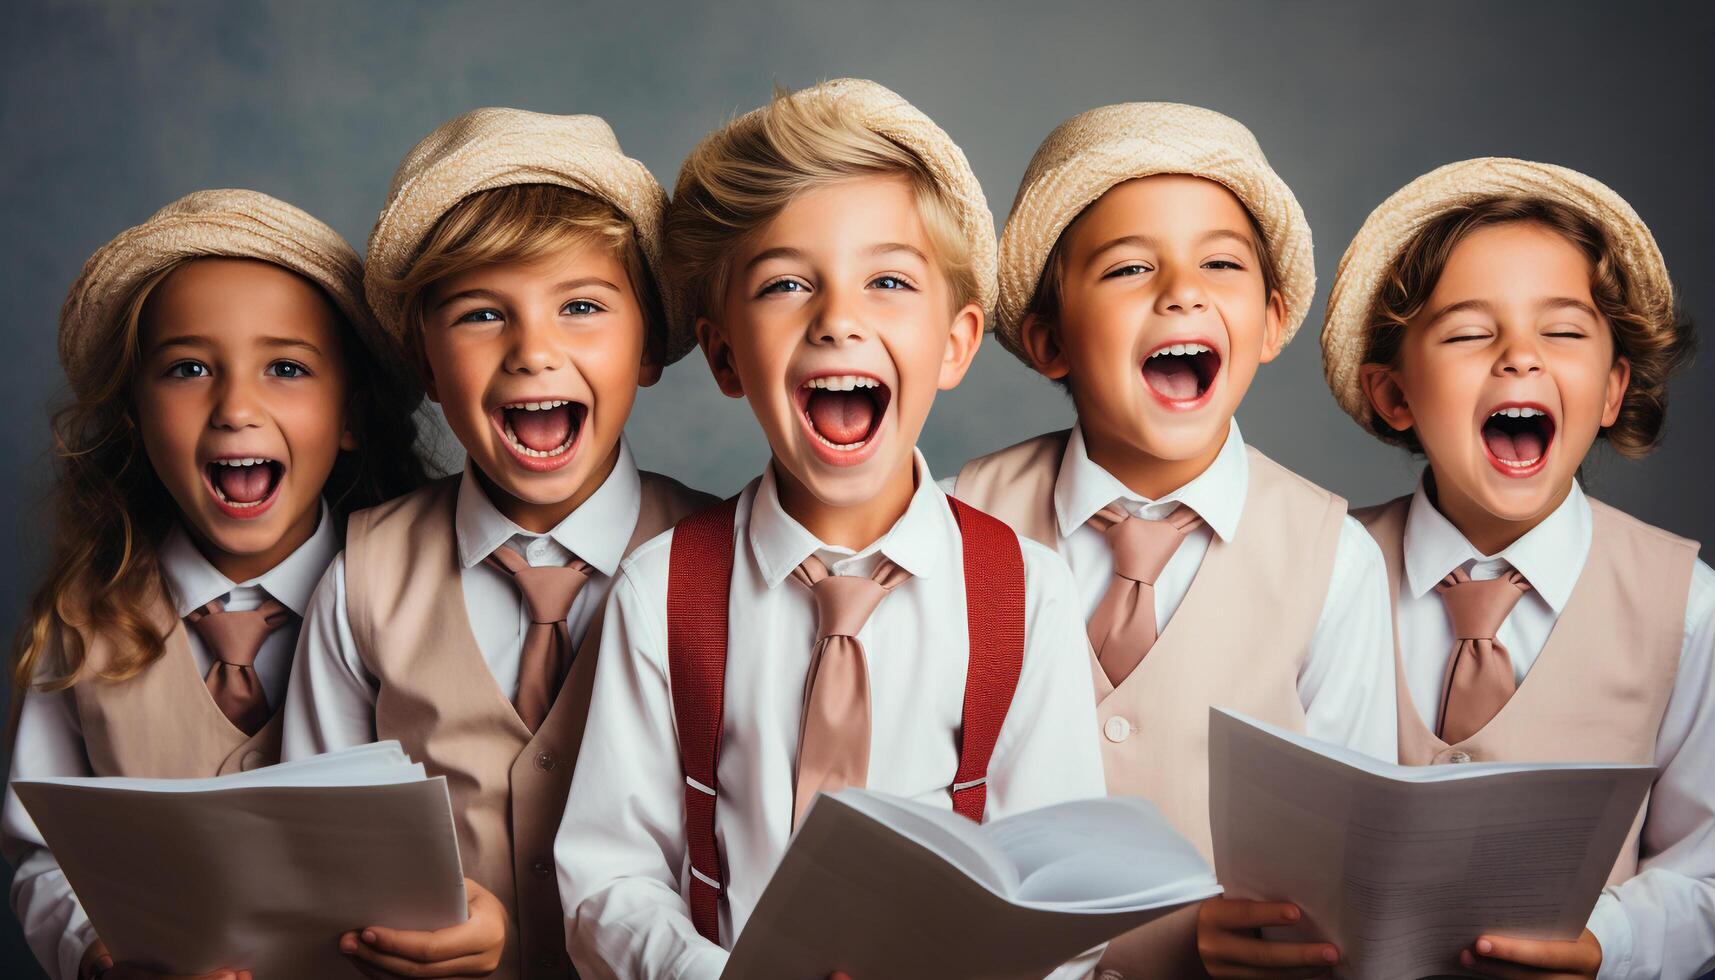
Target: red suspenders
{"type": "Point", "coordinates": [699, 579]}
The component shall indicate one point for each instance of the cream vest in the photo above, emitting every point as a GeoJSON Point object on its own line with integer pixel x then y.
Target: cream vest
{"type": "Point", "coordinates": [1597, 691]}
{"type": "Point", "coordinates": [405, 600]}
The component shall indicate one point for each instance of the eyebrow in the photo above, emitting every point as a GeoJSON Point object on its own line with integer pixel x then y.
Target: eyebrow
{"type": "Point", "coordinates": [1140, 241]}
{"type": "Point", "coordinates": [200, 340]}
{"type": "Point", "coordinates": [778, 252]}
{"type": "Point", "coordinates": [560, 287]}
{"type": "Point", "coordinates": [887, 247]}
{"type": "Point", "coordinates": [295, 343]}
{"type": "Point", "coordinates": [1484, 306]}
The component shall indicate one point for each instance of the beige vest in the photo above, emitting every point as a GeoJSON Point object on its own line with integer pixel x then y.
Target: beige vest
{"type": "Point", "coordinates": [405, 599]}
{"type": "Point", "coordinates": [1600, 685]}
{"type": "Point", "coordinates": [162, 723]}
{"type": "Point", "coordinates": [1238, 641]}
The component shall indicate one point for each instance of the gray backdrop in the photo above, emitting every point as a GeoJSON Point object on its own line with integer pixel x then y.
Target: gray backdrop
{"type": "Point", "coordinates": [109, 110]}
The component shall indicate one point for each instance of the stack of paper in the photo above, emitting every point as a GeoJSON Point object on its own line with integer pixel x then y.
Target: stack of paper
{"type": "Point", "coordinates": [1401, 867]}
{"type": "Point", "coordinates": [259, 870]}
{"type": "Point", "coordinates": [883, 887]}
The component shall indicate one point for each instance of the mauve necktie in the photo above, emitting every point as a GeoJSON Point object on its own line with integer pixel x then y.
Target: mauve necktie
{"type": "Point", "coordinates": [548, 592]}
{"type": "Point", "coordinates": [233, 640]}
{"type": "Point", "coordinates": [1479, 679]}
{"type": "Point", "coordinates": [1123, 627]}
{"type": "Point", "coordinates": [833, 741]}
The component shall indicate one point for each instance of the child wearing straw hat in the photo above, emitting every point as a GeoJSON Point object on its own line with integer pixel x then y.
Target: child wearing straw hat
{"type": "Point", "coordinates": [515, 264]}
{"type": "Point", "coordinates": [1500, 316]}
{"type": "Point", "coordinates": [1153, 260]}
{"type": "Point", "coordinates": [231, 403]}
{"type": "Point", "coordinates": [841, 621]}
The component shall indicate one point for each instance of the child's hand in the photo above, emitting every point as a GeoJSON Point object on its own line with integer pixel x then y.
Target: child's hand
{"type": "Point", "coordinates": [98, 963]}
{"type": "Point", "coordinates": [1228, 943]}
{"type": "Point", "coordinates": [470, 949]}
{"type": "Point", "coordinates": [1534, 959]}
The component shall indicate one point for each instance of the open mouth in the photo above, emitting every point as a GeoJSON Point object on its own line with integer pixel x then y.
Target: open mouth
{"type": "Point", "coordinates": [843, 413]}
{"type": "Point", "coordinates": [1516, 438]}
{"type": "Point", "coordinates": [542, 435]}
{"type": "Point", "coordinates": [1181, 375]}
{"type": "Point", "coordinates": [244, 486]}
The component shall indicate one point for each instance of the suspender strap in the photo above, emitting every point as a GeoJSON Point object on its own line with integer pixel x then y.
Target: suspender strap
{"type": "Point", "coordinates": [699, 578]}
{"type": "Point", "coordinates": [994, 605]}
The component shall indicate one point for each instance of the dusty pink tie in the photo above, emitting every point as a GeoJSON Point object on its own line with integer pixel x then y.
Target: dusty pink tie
{"type": "Point", "coordinates": [833, 741]}
{"type": "Point", "coordinates": [548, 592]}
{"type": "Point", "coordinates": [1123, 628]}
{"type": "Point", "coordinates": [1479, 679]}
{"type": "Point", "coordinates": [234, 639]}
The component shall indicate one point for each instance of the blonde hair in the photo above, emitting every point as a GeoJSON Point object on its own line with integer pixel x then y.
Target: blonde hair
{"type": "Point", "coordinates": [743, 175]}
{"type": "Point", "coordinates": [522, 223]}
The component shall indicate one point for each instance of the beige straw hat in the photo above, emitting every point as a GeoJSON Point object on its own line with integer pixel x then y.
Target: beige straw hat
{"type": "Point", "coordinates": [205, 224]}
{"type": "Point", "coordinates": [488, 148]}
{"type": "Point", "coordinates": [880, 110]}
{"type": "Point", "coordinates": [1390, 226]}
{"type": "Point", "coordinates": [1091, 152]}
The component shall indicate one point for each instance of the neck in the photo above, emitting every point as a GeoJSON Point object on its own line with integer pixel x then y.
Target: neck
{"type": "Point", "coordinates": [856, 526]}
{"type": "Point", "coordinates": [244, 567]}
{"type": "Point", "coordinates": [1150, 477]}
{"type": "Point", "coordinates": [1488, 532]}
{"type": "Point", "coordinates": [542, 518]}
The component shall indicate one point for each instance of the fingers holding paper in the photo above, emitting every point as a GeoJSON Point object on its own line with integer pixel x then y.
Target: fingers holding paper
{"type": "Point", "coordinates": [97, 962]}
{"type": "Point", "coordinates": [470, 949]}
{"type": "Point", "coordinates": [1534, 959]}
{"type": "Point", "coordinates": [1229, 947]}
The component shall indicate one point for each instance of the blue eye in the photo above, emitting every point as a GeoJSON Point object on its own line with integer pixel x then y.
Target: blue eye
{"type": "Point", "coordinates": [288, 369]}
{"type": "Point", "coordinates": [784, 286]}
{"type": "Point", "coordinates": [1134, 269]}
{"type": "Point", "coordinates": [890, 282]}
{"type": "Point", "coordinates": [480, 316]}
{"type": "Point", "coordinates": [188, 369]}
{"type": "Point", "coordinates": [581, 307]}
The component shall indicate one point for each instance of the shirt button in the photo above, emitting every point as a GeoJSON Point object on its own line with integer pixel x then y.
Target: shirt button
{"type": "Point", "coordinates": [1117, 729]}
{"type": "Point", "coordinates": [1458, 756]}
{"type": "Point", "coordinates": [546, 760]}
{"type": "Point", "coordinates": [542, 869]}
{"type": "Point", "coordinates": [251, 760]}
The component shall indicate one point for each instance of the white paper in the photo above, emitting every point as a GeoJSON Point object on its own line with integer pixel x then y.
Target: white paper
{"type": "Point", "coordinates": [883, 887]}
{"type": "Point", "coordinates": [260, 870]}
{"type": "Point", "coordinates": [1401, 867]}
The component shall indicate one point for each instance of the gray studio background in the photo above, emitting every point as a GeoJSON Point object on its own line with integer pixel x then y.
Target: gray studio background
{"type": "Point", "coordinates": [108, 110]}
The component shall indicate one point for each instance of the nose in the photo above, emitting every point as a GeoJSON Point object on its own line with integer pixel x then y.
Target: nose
{"type": "Point", "coordinates": [1518, 358]}
{"type": "Point", "coordinates": [535, 344]}
{"type": "Point", "coordinates": [837, 319]}
{"type": "Point", "coordinates": [237, 405]}
{"type": "Point", "coordinates": [1181, 293]}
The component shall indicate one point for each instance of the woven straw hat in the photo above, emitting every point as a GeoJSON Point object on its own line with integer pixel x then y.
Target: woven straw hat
{"type": "Point", "coordinates": [881, 111]}
{"type": "Point", "coordinates": [1457, 185]}
{"type": "Point", "coordinates": [1090, 153]}
{"type": "Point", "coordinates": [206, 224]}
{"type": "Point", "coordinates": [488, 148]}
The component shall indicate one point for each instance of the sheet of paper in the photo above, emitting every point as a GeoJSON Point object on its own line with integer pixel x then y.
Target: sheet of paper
{"type": "Point", "coordinates": [1402, 873]}
{"type": "Point", "coordinates": [853, 895]}
{"type": "Point", "coordinates": [259, 877]}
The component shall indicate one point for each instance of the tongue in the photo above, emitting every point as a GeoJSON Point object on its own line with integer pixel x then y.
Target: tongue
{"type": "Point", "coordinates": [1173, 376]}
{"type": "Point", "coordinates": [841, 417]}
{"type": "Point", "coordinates": [543, 431]}
{"type": "Point", "coordinates": [1517, 446]}
{"type": "Point", "coordinates": [244, 484]}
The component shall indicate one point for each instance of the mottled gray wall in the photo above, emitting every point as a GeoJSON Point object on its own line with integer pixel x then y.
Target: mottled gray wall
{"type": "Point", "coordinates": [109, 110]}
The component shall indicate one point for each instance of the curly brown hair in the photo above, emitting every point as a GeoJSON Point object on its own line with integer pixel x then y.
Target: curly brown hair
{"type": "Point", "coordinates": [112, 513]}
{"type": "Point", "coordinates": [1653, 336]}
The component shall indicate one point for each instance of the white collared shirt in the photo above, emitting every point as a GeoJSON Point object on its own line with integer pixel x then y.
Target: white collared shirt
{"type": "Point", "coordinates": [50, 737]}
{"type": "Point", "coordinates": [621, 846]}
{"type": "Point", "coordinates": [1347, 683]}
{"type": "Point", "coordinates": [1662, 922]}
{"type": "Point", "coordinates": [332, 702]}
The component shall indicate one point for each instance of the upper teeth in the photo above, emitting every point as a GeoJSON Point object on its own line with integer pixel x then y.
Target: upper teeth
{"type": "Point", "coordinates": [842, 382]}
{"type": "Point", "coordinates": [537, 406]}
{"type": "Point", "coordinates": [246, 461]}
{"type": "Point", "coordinates": [1518, 413]}
{"type": "Point", "coordinates": [1182, 349]}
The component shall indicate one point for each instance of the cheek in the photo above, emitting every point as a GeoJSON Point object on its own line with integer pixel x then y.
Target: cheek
{"type": "Point", "coordinates": [311, 417]}
{"type": "Point", "coordinates": [170, 422]}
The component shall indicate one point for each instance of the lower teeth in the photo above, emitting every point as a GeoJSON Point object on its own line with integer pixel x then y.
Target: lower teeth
{"type": "Point", "coordinates": [512, 437]}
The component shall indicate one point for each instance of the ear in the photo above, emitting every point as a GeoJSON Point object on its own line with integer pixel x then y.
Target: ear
{"type": "Point", "coordinates": [1041, 342]}
{"type": "Point", "coordinates": [1619, 379]}
{"type": "Point", "coordinates": [650, 367]}
{"type": "Point", "coordinates": [348, 440]}
{"type": "Point", "coordinates": [712, 339]}
{"type": "Point", "coordinates": [424, 371]}
{"type": "Point", "coordinates": [1388, 399]}
{"type": "Point", "coordinates": [962, 344]}
{"type": "Point", "coordinates": [1274, 327]}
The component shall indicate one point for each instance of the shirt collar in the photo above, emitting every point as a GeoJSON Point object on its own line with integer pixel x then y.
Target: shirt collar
{"type": "Point", "coordinates": [1217, 494]}
{"type": "Point", "coordinates": [196, 582]}
{"type": "Point", "coordinates": [780, 543]}
{"type": "Point", "coordinates": [597, 531]}
{"type": "Point", "coordinates": [1550, 556]}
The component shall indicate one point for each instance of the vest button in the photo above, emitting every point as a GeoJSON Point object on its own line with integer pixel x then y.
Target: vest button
{"type": "Point", "coordinates": [546, 760]}
{"type": "Point", "coordinates": [1117, 729]}
{"type": "Point", "coordinates": [251, 760]}
{"type": "Point", "coordinates": [1459, 756]}
{"type": "Point", "coordinates": [542, 869]}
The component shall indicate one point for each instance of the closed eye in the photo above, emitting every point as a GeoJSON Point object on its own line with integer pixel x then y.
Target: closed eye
{"type": "Point", "coordinates": [1222, 264]}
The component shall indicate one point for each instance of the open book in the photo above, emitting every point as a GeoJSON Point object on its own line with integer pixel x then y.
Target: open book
{"type": "Point", "coordinates": [1401, 867]}
{"type": "Point", "coordinates": [883, 887]}
{"type": "Point", "coordinates": [259, 870]}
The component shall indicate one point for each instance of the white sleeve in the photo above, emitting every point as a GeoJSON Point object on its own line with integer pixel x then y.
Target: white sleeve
{"type": "Point", "coordinates": [1348, 685]}
{"type": "Point", "coordinates": [330, 702]}
{"type": "Point", "coordinates": [1661, 923]}
{"type": "Point", "coordinates": [620, 851]}
{"type": "Point", "coordinates": [49, 743]}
